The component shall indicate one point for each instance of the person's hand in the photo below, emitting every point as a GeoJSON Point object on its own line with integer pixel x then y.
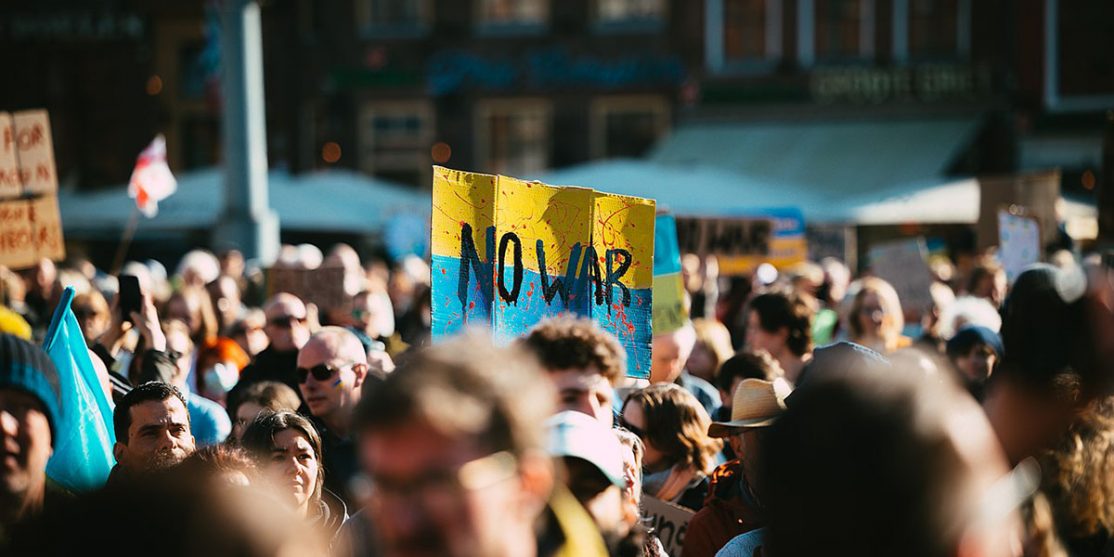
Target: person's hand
{"type": "Point", "coordinates": [117, 328]}
{"type": "Point", "coordinates": [147, 321]}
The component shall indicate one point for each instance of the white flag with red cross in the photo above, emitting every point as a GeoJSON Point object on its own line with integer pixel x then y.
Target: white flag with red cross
{"type": "Point", "coordinates": [151, 180]}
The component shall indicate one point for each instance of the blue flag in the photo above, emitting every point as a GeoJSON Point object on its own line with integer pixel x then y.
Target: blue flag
{"type": "Point", "coordinates": [82, 455]}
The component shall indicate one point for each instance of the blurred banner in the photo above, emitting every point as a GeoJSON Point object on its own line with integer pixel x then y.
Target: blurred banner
{"type": "Point", "coordinates": [82, 456]}
{"type": "Point", "coordinates": [323, 286]}
{"type": "Point", "coordinates": [904, 264]}
{"type": "Point", "coordinates": [670, 313]}
{"type": "Point", "coordinates": [506, 254]}
{"type": "Point", "coordinates": [1019, 241]}
{"type": "Point", "coordinates": [742, 243]}
{"type": "Point", "coordinates": [1037, 191]}
{"type": "Point", "coordinates": [30, 224]}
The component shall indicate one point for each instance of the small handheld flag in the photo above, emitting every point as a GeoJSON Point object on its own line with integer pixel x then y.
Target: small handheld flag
{"type": "Point", "coordinates": [151, 180]}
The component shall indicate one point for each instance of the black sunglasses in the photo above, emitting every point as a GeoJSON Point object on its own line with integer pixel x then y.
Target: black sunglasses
{"type": "Point", "coordinates": [286, 321]}
{"type": "Point", "coordinates": [321, 372]}
{"type": "Point", "coordinates": [631, 428]}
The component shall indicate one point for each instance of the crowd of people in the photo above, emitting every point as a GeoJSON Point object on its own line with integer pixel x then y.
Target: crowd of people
{"type": "Point", "coordinates": [796, 414]}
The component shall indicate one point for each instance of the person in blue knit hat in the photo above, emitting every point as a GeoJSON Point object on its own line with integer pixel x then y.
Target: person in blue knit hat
{"type": "Point", "coordinates": [974, 351]}
{"type": "Point", "coordinates": [29, 395]}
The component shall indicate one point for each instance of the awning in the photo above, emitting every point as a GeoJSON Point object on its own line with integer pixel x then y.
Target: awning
{"type": "Point", "coordinates": [328, 201]}
{"type": "Point", "coordinates": [695, 190]}
{"type": "Point", "coordinates": [831, 159]}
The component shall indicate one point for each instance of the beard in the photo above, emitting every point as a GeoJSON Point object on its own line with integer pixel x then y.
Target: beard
{"type": "Point", "coordinates": [163, 460]}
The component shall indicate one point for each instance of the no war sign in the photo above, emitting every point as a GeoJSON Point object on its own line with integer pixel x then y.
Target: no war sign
{"type": "Point", "coordinates": [508, 253]}
{"type": "Point", "coordinates": [668, 522]}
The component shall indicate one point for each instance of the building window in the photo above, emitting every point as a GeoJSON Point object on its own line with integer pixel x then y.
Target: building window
{"type": "Point", "coordinates": [744, 35]}
{"type": "Point", "coordinates": [843, 30]}
{"type": "Point", "coordinates": [512, 16]}
{"type": "Point", "coordinates": [513, 137]}
{"type": "Point", "coordinates": [933, 28]}
{"type": "Point", "coordinates": [751, 29]}
{"type": "Point", "coordinates": [393, 17]}
{"type": "Point", "coordinates": [627, 126]}
{"type": "Point", "coordinates": [395, 139]}
{"type": "Point", "coordinates": [626, 12]}
{"type": "Point", "coordinates": [1080, 67]}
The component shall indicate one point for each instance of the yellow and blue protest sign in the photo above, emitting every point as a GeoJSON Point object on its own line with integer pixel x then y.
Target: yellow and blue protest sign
{"type": "Point", "coordinates": [507, 253]}
{"type": "Point", "coordinates": [741, 242]}
{"type": "Point", "coordinates": [670, 313]}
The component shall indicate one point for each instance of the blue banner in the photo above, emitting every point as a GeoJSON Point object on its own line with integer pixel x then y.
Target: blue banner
{"type": "Point", "coordinates": [82, 456]}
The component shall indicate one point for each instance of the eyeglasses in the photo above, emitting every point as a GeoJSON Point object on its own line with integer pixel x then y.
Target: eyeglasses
{"type": "Point", "coordinates": [320, 372]}
{"type": "Point", "coordinates": [623, 423]}
{"type": "Point", "coordinates": [285, 321]}
{"type": "Point", "coordinates": [243, 330]}
{"type": "Point", "coordinates": [443, 489]}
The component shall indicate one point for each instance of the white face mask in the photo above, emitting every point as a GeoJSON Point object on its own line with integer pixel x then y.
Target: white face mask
{"type": "Point", "coordinates": [220, 378]}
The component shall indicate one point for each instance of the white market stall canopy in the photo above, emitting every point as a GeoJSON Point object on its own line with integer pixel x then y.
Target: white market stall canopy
{"type": "Point", "coordinates": [703, 191]}
{"type": "Point", "coordinates": [685, 190]}
{"type": "Point", "coordinates": [833, 160]}
{"type": "Point", "coordinates": [327, 201]}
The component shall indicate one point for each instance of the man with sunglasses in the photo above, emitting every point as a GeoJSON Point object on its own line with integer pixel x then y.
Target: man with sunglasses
{"type": "Point", "coordinates": [332, 369]}
{"type": "Point", "coordinates": [288, 333]}
{"type": "Point", "coordinates": [454, 444]}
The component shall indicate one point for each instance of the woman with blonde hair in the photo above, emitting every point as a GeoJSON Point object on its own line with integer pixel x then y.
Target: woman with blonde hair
{"type": "Point", "coordinates": [679, 455]}
{"type": "Point", "coordinates": [875, 317]}
{"type": "Point", "coordinates": [712, 348]}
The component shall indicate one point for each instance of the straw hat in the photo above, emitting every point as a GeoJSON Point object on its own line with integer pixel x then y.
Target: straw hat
{"type": "Point", "coordinates": [757, 403]}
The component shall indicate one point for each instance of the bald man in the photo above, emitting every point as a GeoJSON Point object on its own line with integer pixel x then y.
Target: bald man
{"type": "Point", "coordinates": [287, 329]}
{"type": "Point", "coordinates": [332, 369]}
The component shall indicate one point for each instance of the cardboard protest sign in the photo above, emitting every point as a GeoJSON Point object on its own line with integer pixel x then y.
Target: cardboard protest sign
{"type": "Point", "coordinates": [10, 184]}
{"type": "Point", "coordinates": [46, 228]}
{"type": "Point", "coordinates": [1037, 191]}
{"type": "Point", "coordinates": [668, 522]}
{"type": "Point", "coordinates": [669, 289]}
{"type": "Point", "coordinates": [30, 229]}
{"type": "Point", "coordinates": [35, 152]}
{"type": "Point", "coordinates": [508, 253]}
{"type": "Point", "coordinates": [1019, 242]}
{"type": "Point", "coordinates": [742, 243]}
{"type": "Point", "coordinates": [30, 225]}
{"type": "Point", "coordinates": [903, 264]}
{"type": "Point", "coordinates": [323, 286]}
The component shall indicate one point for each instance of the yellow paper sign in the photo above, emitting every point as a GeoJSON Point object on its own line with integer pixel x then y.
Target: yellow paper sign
{"type": "Point", "coordinates": [508, 253]}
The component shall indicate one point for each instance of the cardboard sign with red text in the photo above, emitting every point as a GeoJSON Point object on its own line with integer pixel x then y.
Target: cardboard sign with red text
{"type": "Point", "coordinates": [35, 152]}
{"type": "Point", "coordinates": [30, 224]}
{"type": "Point", "coordinates": [30, 229]}
{"type": "Point", "coordinates": [10, 184]}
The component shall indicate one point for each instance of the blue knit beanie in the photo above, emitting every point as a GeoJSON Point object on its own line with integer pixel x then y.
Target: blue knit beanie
{"type": "Point", "coordinates": [26, 367]}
